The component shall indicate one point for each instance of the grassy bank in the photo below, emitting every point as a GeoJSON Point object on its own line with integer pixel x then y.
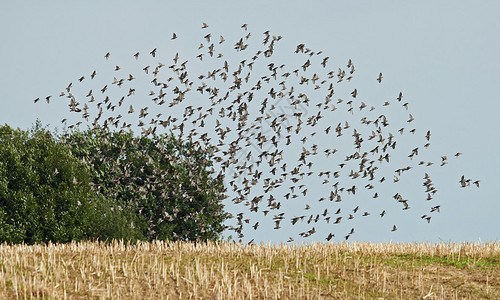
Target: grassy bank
{"type": "Point", "coordinates": [210, 271]}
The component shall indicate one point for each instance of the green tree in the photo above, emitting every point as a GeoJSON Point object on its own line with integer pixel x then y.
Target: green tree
{"type": "Point", "coordinates": [161, 185]}
{"type": "Point", "coordinates": [44, 190]}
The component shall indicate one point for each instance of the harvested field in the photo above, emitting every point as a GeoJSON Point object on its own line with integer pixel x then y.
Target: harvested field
{"type": "Point", "coordinates": [181, 270]}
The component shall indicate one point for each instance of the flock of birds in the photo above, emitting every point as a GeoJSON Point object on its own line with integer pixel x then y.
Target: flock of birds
{"type": "Point", "coordinates": [300, 137]}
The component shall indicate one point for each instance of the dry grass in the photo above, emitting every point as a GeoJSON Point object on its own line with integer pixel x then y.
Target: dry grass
{"type": "Point", "coordinates": [164, 270]}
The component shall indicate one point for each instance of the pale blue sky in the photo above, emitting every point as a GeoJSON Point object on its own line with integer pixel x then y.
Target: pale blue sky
{"type": "Point", "coordinates": [443, 55]}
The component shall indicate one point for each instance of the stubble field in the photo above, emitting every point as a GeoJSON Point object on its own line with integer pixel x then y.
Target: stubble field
{"type": "Point", "coordinates": [182, 270]}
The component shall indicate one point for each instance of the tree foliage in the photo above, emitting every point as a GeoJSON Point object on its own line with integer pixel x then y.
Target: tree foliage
{"type": "Point", "coordinates": [44, 189]}
{"type": "Point", "coordinates": [162, 184]}
{"type": "Point", "coordinates": [105, 185]}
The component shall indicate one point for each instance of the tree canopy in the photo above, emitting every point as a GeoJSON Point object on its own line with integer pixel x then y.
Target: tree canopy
{"type": "Point", "coordinates": [44, 189]}
{"type": "Point", "coordinates": [106, 185]}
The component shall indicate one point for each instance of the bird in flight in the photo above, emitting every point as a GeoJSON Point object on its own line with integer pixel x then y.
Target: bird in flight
{"type": "Point", "coordinates": [271, 137]}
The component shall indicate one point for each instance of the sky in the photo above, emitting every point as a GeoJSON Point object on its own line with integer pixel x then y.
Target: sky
{"type": "Point", "coordinates": [442, 55]}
